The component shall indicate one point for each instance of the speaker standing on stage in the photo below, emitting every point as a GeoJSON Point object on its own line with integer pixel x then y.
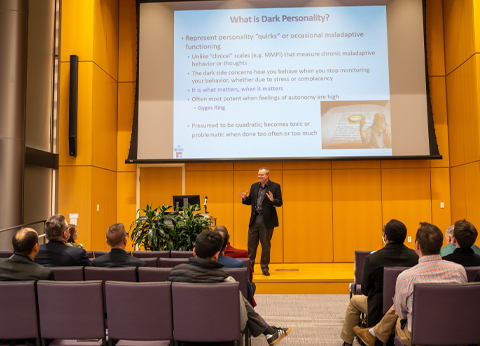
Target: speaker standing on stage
{"type": "Point", "coordinates": [264, 196]}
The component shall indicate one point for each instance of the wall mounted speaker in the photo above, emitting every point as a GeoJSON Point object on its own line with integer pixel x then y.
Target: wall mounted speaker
{"type": "Point", "coordinates": [73, 106]}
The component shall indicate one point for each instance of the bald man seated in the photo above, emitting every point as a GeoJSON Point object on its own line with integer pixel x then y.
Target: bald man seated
{"type": "Point", "coordinates": [20, 266]}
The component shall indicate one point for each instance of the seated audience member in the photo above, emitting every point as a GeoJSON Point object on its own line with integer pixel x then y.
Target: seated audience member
{"type": "Point", "coordinates": [450, 247]}
{"type": "Point", "coordinates": [56, 253]}
{"type": "Point", "coordinates": [229, 262]}
{"type": "Point", "coordinates": [464, 235]}
{"type": "Point", "coordinates": [73, 237]}
{"type": "Point", "coordinates": [232, 252]}
{"type": "Point", "coordinates": [117, 257]}
{"type": "Point", "coordinates": [21, 266]}
{"type": "Point", "coordinates": [394, 254]}
{"type": "Point", "coordinates": [430, 269]}
{"type": "Point", "coordinates": [204, 268]}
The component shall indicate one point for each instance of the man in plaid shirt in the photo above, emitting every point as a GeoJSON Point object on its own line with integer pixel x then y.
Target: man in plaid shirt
{"type": "Point", "coordinates": [430, 269]}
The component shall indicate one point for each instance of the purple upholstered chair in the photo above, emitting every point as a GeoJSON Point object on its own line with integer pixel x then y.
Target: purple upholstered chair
{"type": "Point", "coordinates": [148, 322]}
{"type": "Point", "coordinates": [181, 254]}
{"type": "Point", "coordinates": [390, 275]}
{"type": "Point", "coordinates": [149, 254]}
{"type": "Point", "coordinates": [6, 254]}
{"type": "Point", "coordinates": [446, 314]}
{"type": "Point", "coordinates": [247, 264]}
{"type": "Point", "coordinates": [151, 262]}
{"type": "Point", "coordinates": [153, 274]}
{"type": "Point", "coordinates": [171, 262]}
{"type": "Point", "coordinates": [100, 253]}
{"type": "Point", "coordinates": [70, 311]}
{"type": "Point", "coordinates": [356, 285]}
{"type": "Point", "coordinates": [89, 254]}
{"type": "Point", "coordinates": [127, 274]}
{"type": "Point", "coordinates": [240, 275]}
{"type": "Point", "coordinates": [68, 273]}
{"type": "Point", "coordinates": [206, 312]}
{"type": "Point", "coordinates": [18, 310]}
{"type": "Point", "coordinates": [471, 272]}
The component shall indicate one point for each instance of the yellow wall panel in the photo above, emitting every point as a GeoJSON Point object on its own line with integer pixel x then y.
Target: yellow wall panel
{"type": "Point", "coordinates": [472, 181]}
{"type": "Point", "coordinates": [75, 196]}
{"type": "Point", "coordinates": [249, 166]}
{"type": "Point", "coordinates": [104, 115]}
{"type": "Point", "coordinates": [458, 193]}
{"type": "Point", "coordinates": [126, 105]}
{"type": "Point", "coordinates": [105, 36]}
{"type": "Point", "coordinates": [307, 165]}
{"type": "Point", "coordinates": [126, 197]}
{"type": "Point", "coordinates": [435, 38]}
{"type": "Point", "coordinates": [357, 212]}
{"type": "Point", "coordinates": [458, 16]}
{"type": "Point", "coordinates": [438, 95]}
{"type": "Point", "coordinates": [471, 116]}
{"type": "Point", "coordinates": [84, 115]}
{"type": "Point", "coordinates": [209, 166]}
{"type": "Point", "coordinates": [158, 185]}
{"type": "Point", "coordinates": [216, 185]}
{"type": "Point", "coordinates": [307, 210]}
{"type": "Point", "coordinates": [241, 215]}
{"type": "Point", "coordinates": [406, 196]}
{"type": "Point", "coordinates": [441, 194]}
{"type": "Point", "coordinates": [77, 30]}
{"type": "Point", "coordinates": [355, 164]}
{"type": "Point", "coordinates": [405, 163]}
{"type": "Point", "coordinates": [127, 43]}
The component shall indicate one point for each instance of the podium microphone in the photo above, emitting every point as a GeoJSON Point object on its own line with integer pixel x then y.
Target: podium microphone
{"type": "Point", "coordinates": [205, 203]}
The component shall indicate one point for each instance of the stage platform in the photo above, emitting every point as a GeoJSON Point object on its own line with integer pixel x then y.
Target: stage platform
{"type": "Point", "coordinates": [304, 278]}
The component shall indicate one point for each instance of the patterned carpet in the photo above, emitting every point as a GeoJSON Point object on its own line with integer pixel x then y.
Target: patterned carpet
{"type": "Point", "coordinates": [315, 319]}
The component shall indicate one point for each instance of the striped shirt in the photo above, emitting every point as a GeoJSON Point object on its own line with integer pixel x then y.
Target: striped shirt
{"type": "Point", "coordinates": [430, 269]}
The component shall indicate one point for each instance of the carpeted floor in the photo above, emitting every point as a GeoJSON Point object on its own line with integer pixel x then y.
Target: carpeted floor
{"type": "Point", "coordinates": [315, 319]}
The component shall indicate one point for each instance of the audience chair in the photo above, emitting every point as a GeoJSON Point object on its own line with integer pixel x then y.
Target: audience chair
{"type": "Point", "coordinates": [171, 262]}
{"type": "Point", "coordinates": [100, 253]}
{"type": "Point", "coordinates": [181, 254]}
{"type": "Point", "coordinates": [6, 254]}
{"type": "Point", "coordinates": [70, 311]}
{"type": "Point", "coordinates": [68, 273]}
{"type": "Point", "coordinates": [240, 276]}
{"type": "Point", "coordinates": [151, 262]}
{"type": "Point", "coordinates": [356, 285]}
{"type": "Point", "coordinates": [206, 312]}
{"type": "Point", "coordinates": [149, 318]}
{"type": "Point", "coordinates": [127, 274]}
{"type": "Point", "coordinates": [247, 264]}
{"type": "Point", "coordinates": [390, 275]}
{"type": "Point", "coordinates": [471, 272]}
{"type": "Point", "coordinates": [153, 274]}
{"type": "Point", "coordinates": [445, 314]}
{"type": "Point", "coordinates": [89, 254]}
{"type": "Point", "coordinates": [18, 310]}
{"type": "Point", "coordinates": [149, 254]}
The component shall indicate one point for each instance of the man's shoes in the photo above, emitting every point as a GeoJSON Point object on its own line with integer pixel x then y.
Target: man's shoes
{"type": "Point", "coordinates": [365, 335]}
{"type": "Point", "coordinates": [276, 337]}
{"type": "Point", "coordinates": [265, 272]}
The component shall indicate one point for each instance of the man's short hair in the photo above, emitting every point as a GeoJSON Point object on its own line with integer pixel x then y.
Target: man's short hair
{"type": "Point", "coordinates": [396, 231]}
{"type": "Point", "coordinates": [207, 244]}
{"type": "Point", "coordinates": [24, 240]}
{"type": "Point", "coordinates": [430, 239]}
{"type": "Point", "coordinates": [264, 169]}
{"type": "Point", "coordinates": [55, 226]}
{"type": "Point", "coordinates": [116, 234]}
{"type": "Point", "coordinates": [449, 231]}
{"type": "Point", "coordinates": [226, 236]}
{"type": "Point", "coordinates": [465, 233]}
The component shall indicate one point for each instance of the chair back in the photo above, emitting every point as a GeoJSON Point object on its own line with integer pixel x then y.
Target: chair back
{"type": "Point", "coordinates": [181, 254]}
{"type": "Point", "coordinates": [71, 310]}
{"type": "Point", "coordinates": [149, 254]}
{"type": "Point", "coordinates": [240, 276]}
{"type": "Point", "coordinates": [149, 311]}
{"type": "Point", "coordinates": [68, 273]}
{"type": "Point", "coordinates": [100, 253]}
{"type": "Point", "coordinates": [6, 254]}
{"type": "Point", "coordinates": [151, 262]}
{"type": "Point", "coordinates": [171, 262]}
{"type": "Point", "coordinates": [356, 286]}
{"type": "Point", "coordinates": [89, 254]}
{"type": "Point", "coordinates": [431, 325]}
{"type": "Point", "coordinates": [471, 272]}
{"type": "Point", "coordinates": [206, 312]}
{"type": "Point", "coordinates": [247, 264]}
{"type": "Point", "coordinates": [390, 275]}
{"type": "Point", "coordinates": [18, 310]}
{"type": "Point", "coordinates": [153, 274]}
{"type": "Point", "coordinates": [127, 274]}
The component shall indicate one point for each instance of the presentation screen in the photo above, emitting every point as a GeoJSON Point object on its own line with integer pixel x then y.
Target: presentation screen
{"type": "Point", "coordinates": [281, 80]}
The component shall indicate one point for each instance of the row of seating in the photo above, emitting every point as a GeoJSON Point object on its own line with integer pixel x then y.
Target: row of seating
{"type": "Point", "coordinates": [158, 312]}
{"type": "Point", "coordinates": [138, 254]}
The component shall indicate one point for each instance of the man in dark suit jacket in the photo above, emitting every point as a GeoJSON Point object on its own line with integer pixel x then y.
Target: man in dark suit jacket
{"type": "Point", "coordinates": [264, 196]}
{"type": "Point", "coordinates": [56, 253]}
{"type": "Point", "coordinates": [21, 266]}
{"type": "Point", "coordinates": [464, 235]}
{"type": "Point", "coordinates": [117, 257]}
